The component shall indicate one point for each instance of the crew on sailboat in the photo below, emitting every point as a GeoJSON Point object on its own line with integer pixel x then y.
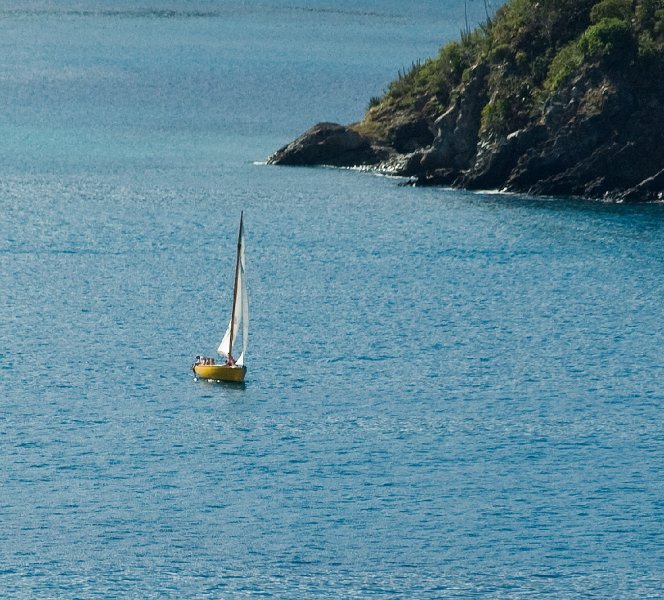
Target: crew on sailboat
{"type": "Point", "coordinates": [205, 361]}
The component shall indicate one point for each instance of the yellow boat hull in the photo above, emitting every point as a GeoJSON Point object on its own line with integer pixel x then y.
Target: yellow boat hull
{"type": "Point", "coordinates": [220, 372]}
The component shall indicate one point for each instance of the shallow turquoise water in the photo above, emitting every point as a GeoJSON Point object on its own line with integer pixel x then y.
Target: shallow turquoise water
{"type": "Point", "coordinates": [449, 394]}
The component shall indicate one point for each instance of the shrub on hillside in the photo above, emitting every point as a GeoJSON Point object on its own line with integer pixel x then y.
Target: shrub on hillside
{"type": "Point", "coordinates": [610, 39]}
{"type": "Point", "coordinates": [611, 9]}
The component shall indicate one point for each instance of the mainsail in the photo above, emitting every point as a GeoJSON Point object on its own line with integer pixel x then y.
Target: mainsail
{"type": "Point", "coordinates": [240, 312]}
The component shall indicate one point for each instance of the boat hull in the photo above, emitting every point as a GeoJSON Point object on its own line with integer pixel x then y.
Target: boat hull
{"type": "Point", "coordinates": [220, 372]}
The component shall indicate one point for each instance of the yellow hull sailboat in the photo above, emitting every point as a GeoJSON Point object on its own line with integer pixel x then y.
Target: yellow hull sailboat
{"type": "Point", "coordinates": [233, 370]}
{"type": "Point", "coordinates": [221, 372]}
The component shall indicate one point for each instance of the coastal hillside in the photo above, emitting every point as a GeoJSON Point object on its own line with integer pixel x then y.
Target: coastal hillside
{"type": "Point", "coordinates": [552, 97]}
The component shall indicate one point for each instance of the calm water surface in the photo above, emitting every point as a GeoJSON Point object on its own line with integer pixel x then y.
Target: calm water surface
{"type": "Point", "coordinates": [449, 394]}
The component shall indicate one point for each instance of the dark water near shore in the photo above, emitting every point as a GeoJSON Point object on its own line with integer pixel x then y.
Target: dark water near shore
{"type": "Point", "coordinates": [449, 394]}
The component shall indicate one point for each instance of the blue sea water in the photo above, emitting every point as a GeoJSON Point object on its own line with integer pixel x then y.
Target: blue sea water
{"type": "Point", "coordinates": [449, 394]}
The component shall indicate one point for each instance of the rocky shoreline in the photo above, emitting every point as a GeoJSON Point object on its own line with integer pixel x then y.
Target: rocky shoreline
{"type": "Point", "coordinates": [598, 135]}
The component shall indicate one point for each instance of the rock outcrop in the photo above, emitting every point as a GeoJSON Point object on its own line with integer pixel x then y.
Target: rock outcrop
{"type": "Point", "coordinates": [595, 131]}
{"type": "Point", "coordinates": [329, 144]}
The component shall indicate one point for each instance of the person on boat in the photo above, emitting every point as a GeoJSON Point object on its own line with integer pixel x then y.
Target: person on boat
{"type": "Point", "coordinates": [230, 362]}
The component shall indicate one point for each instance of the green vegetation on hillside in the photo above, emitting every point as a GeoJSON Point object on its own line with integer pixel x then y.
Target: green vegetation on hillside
{"type": "Point", "coordinates": [533, 47]}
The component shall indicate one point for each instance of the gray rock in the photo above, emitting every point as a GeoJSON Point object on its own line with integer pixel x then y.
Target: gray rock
{"type": "Point", "coordinates": [457, 130]}
{"type": "Point", "coordinates": [650, 189]}
{"type": "Point", "coordinates": [496, 159]}
{"type": "Point", "coordinates": [327, 144]}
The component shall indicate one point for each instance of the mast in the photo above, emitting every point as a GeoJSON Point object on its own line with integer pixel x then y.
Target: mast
{"type": "Point", "coordinates": [237, 271]}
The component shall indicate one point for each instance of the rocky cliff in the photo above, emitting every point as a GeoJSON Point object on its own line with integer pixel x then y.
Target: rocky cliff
{"type": "Point", "coordinates": [551, 97]}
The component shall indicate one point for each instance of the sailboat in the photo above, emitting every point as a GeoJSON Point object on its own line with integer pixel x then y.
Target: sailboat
{"type": "Point", "coordinates": [232, 370]}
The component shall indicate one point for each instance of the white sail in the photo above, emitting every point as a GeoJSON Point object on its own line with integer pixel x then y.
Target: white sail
{"type": "Point", "coordinates": [224, 347]}
{"type": "Point", "coordinates": [240, 312]}
{"type": "Point", "coordinates": [244, 312]}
